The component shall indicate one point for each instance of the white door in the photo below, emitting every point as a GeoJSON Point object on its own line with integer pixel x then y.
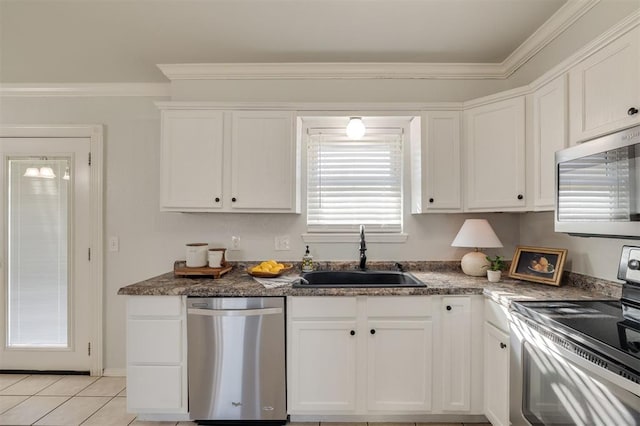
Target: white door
{"type": "Point", "coordinates": [45, 272]}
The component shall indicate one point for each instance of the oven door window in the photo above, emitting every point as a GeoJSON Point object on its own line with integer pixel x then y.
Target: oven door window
{"type": "Point", "coordinates": [559, 392]}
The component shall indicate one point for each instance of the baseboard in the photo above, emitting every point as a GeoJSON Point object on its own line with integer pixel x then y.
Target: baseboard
{"type": "Point", "coordinates": [114, 372]}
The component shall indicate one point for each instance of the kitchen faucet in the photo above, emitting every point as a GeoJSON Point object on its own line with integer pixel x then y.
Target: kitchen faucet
{"type": "Point", "coordinates": [363, 249]}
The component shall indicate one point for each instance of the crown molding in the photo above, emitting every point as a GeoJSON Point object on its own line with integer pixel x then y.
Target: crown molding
{"type": "Point", "coordinates": [558, 23]}
{"type": "Point", "coordinates": [85, 89]}
{"type": "Point", "coordinates": [618, 30]}
{"type": "Point", "coordinates": [317, 108]}
{"type": "Point", "coordinates": [551, 29]}
{"type": "Point", "coordinates": [330, 70]}
{"type": "Point", "coordinates": [507, 94]}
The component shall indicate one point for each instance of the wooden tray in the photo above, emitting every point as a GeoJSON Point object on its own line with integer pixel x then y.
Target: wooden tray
{"type": "Point", "coordinates": [180, 269]}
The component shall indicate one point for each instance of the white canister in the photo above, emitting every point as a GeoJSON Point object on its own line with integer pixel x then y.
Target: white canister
{"type": "Point", "coordinates": [216, 257]}
{"type": "Point", "coordinates": [197, 255]}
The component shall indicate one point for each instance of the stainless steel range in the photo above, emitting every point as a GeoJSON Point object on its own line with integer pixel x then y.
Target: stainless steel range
{"type": "Point", "coordinates": [578, 362]}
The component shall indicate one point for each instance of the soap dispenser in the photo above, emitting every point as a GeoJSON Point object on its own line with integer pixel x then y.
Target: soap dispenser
{"type": "Point", "coordinates": [307, 261]}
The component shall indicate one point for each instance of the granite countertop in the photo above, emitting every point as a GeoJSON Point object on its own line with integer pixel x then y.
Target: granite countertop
{"type": "Point", "coordinates": [440, 277]}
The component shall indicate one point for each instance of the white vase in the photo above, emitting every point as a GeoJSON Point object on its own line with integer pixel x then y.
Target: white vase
{"type": "Point", "coordinates": [494, 276]}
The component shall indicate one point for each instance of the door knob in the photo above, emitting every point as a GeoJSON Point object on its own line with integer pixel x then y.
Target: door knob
{"type": "Point", "coordinates": [448, 308]}
{"type": "Point", "coordinates": [632, 111]}
{"type": "Point", "coordinates": [502, 345]}
{"type": "Point", "coordinates": [372, 331]}
{"type": "Point", "coordinates": [352, 332]}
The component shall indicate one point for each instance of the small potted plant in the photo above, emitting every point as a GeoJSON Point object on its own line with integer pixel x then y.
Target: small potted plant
{"type": "Point", "coordinates": [496, 265]}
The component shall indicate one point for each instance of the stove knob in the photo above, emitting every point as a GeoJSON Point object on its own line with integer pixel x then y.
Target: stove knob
{"type": "Point", "coordinates": [634, 264]}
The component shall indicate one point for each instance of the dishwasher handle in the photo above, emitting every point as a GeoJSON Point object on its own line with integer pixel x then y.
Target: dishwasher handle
{"type": "Point", "coordinates": [234, 312]}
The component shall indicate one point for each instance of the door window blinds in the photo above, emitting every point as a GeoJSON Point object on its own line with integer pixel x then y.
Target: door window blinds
{"type": "Point", "coordinates": [354, 182]}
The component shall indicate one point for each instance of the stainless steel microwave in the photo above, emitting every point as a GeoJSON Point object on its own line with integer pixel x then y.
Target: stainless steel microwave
{"type": "Point", "coordinates": [598, 186]}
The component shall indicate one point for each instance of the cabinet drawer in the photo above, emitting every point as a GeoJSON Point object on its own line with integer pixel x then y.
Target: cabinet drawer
{"type": "Point", "coordinates": [154, 306]}
{"type": "Point", "coordinates": [496, 315]}
{"type": "Point", "coordinates": [155, 389]}
{"type": "Point", "coordinates": [154, 341]}
{"type": "Point", "coordinates": [399, 306]}
{"type": "Point", "coordinates": [323, 307]}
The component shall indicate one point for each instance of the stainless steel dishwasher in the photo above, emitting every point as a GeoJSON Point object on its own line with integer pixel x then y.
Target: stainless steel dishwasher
{"type": "Point", "coordinates": [237, 359]}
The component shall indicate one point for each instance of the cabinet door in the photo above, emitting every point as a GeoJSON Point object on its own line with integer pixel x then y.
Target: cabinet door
{"type": "Point", "coordinates": [156, 389]}
{"type": "Point", "coordinates": [456, 353]}
{"type": "Point", "coordinates": [399, 365]}
{"type": "Point", "coordinates": [322, 368]}
{"type": "Point", "coordinates": [191, 163]}
{"type": "Point", "coordinates": [263, 161]}
{"type": "Point", "coordinates": [496, 375]}
{"type": "Point", "coordinates": [549, 136]}
{"type": "Point", "coordinates": [442, 142]}
{"type": "Point", "coordinates": [605, 87]}
{"type": "Point", "coordinates": [495, 144]}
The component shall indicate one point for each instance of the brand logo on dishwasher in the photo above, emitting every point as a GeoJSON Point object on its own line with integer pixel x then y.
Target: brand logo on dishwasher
{"type": "Point", "coordinates": [236, 404]}
{"type": "Point", "coordinates": [631, 135]}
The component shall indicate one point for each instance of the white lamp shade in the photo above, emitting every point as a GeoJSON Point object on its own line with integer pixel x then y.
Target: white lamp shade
{"type": "Point", "coordinates": [32, 172]}
{"type": "Point", "coordinates": [476, 233]}
{"type": "Point", "coordinates": [355, 128]}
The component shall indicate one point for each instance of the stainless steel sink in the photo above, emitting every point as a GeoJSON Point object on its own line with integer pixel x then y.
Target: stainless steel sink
{"type": "Point", "coordinates": [350, 279]}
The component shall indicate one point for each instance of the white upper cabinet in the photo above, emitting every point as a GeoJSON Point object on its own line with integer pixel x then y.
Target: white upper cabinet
{"type": "Point", "coordinates": [549, 136]}
{"type": "Point", "coordinates": [605, 89]}
{"type": "Point", "coordinates": [229, 161]}
{"type": "Point", "coordinates": [191, 160]}
{"type": "Point", "coordinates": [495, 156]}
{"type": "Point", "coordinates": [435, 168]}
{"type": "Point", "coordinates": [263, 161]}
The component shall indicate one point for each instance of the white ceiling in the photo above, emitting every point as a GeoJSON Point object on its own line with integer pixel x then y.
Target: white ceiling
{"type": "Point", "coordinates": [117, 40]}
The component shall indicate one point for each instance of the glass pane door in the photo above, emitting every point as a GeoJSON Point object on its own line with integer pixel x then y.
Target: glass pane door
{"type": "Point", "coordinates": [38, 206]}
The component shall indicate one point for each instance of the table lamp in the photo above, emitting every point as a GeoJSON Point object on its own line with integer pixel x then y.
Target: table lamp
{"type": "Point", "coordinates": [476, 233]}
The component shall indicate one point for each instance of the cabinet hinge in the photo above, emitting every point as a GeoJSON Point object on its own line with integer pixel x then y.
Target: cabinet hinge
{"type": "Point", "coordinates": [89, 349]}
{"type": "Point", "coordinates": [89, 253]}
{"type": "Point", "coordinates": [89, 158]}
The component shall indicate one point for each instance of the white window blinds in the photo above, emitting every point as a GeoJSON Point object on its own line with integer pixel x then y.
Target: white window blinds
{"type": "Point", "coordinates": [354, 182]}
{"type": "Point", "coordinates": [596, 188]}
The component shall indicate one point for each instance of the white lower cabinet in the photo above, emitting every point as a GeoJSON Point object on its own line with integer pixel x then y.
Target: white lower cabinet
{"type": "Point", "coordinates": [384, 357]}
{"type": "Point", "coordinates": [496, 364]}
{"type": "Point", "coordinates": [322, 366]}
{"type": "Point", "coordinates": [353, 355]}
{"type": "Point", "coordinates": [157, 356]}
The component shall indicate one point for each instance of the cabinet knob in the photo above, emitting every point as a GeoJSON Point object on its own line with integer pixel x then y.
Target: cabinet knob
{"type": "Point", "coordinates": [233, 200]}
{"type": "Point", "coordinates": [448, 307]}
{"type": "Point", "coordinates": [520, 196]}
{"type": "Point", "coordinates": [431, 200]}
{"type": "Point", "coordinates": [352, 332]}
{"type": "Point", "coordinates": [502, 345]}
{"type": "Point", "coordinates": [372, 331]}
{"type": "Point", "coordinates": [217, 199]}
{"type": "Point", "coordinates": [632, 111]}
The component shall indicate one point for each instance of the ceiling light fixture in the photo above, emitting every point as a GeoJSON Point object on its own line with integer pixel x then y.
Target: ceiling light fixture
{"type": "Point", "coordinates": [32, 172]}
{"type": "Point", "coordinates": [355, 128]}
{"type": "Point", "coordinates": [47, 172]}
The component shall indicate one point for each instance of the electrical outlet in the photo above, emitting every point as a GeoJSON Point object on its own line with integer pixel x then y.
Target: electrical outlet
{"type": "Point", "coordinates": [235, 243]}
{"type": "Point", "coordinates": [114, 244]}
{"type": "Point", "coordinates": [282, 243]}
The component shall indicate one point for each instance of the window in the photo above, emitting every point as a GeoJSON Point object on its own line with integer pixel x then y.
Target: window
{"type": "Point", "coordinates": [354, 182]}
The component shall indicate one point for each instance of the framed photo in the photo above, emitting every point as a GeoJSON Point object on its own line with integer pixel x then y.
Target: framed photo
{"type": "Point", "coordinates": [538, 264]}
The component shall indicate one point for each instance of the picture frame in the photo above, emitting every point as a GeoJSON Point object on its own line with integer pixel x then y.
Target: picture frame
{"type": "Point", "coordinates": [538, 264]}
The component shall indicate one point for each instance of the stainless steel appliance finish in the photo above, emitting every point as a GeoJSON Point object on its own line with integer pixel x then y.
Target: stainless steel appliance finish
{"type": "Point", "coordinates": [237, 359]}
{"type": "Point", "coordinates": [578, 362]}
{"type": "Point", "coordinates": [598, 186]}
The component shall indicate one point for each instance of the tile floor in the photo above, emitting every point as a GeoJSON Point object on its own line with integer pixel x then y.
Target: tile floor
{"type": "Point", "coordinates": [52, 400]}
